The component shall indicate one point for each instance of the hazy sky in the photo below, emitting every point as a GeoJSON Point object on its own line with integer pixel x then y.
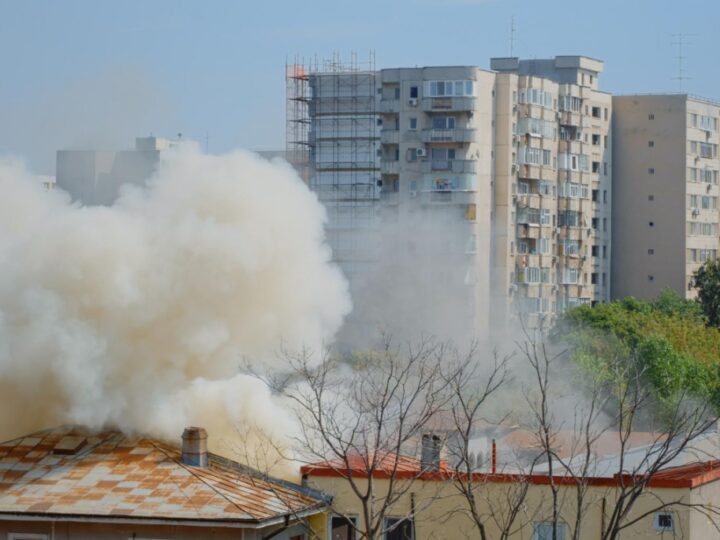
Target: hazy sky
{"type": "Point", "coordinates": [95, 73]}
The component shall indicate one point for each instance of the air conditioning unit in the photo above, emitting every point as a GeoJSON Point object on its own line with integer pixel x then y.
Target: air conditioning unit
{"type": "Point", "coordinates": [421, 152]}
{"type": "Point", "coordinates": [695, 211]}
{"type": "Point", "coordinates": [413, 102]}
{"type": "Point", "coordinates": [413, 193]}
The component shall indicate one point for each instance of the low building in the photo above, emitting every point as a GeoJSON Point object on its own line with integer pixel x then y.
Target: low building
{"type": "Point", "coordinates": [433, 508]}
{"type": "Point", "coordinates": [67, 483]}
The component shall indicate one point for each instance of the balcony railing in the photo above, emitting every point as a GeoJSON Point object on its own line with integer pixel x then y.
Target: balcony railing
{"type": "Point", "coordinates": [449, 103]}
{"type": "Point", "coordinates": [452, 165]}
{"type": "Point", "coordinates": [389, 105]}
{"type": "Point", "coordinates": [390, 136]}
{"type": "Point", "coordinates": [390, 167]}
{"type": "Point", "coordinates": [448, 135]}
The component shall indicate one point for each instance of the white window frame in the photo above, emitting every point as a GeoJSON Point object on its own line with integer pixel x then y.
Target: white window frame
{"type": "Point", "coordinates": [656, 521]}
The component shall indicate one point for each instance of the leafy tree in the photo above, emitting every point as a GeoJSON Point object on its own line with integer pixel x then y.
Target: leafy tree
{"type": "Point", "coordinates": [706, 280]}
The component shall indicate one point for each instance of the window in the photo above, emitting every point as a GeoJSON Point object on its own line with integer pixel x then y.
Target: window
{"type": "Point", "coordinates": [651, 116]}
{"type": "Point", "coordinates": [651, 144]}
{"type": "Point", "coordinates": [596, 112]}
{"type": "Point", "coordinates": [606, 113]}
{"type": "Point", "coordinates": [651, 251]}
{"type": "Point", "coordinates": [449, 88]}
{"type": "Point", "coordinates": [595, 251]}
{"type": "Point", "coordinates": [413, 91]}
{"type": "Point", "coordinates": [545, 216]}
{"type": "Point", "coordinates": [663, 521]}
{"type": "Point", "coordinates": [397, 92]}
{"type": "Point", "coordinates": [536, 126]}
{"type": "Point", "coordinates": [596, 139]}
{"type": "Point", "coordinates": [398, 529]}
{"type": "Point", "coordinates": [412, 154]}
{"type": "Point", "coordinates": [568, 218]}
{"type": "Point", "coordinates": [573, 190]}
{"type": "Point", "coordinates": [573, 162]}
{"type": "Point", "coordinates": [708, 150]}
{"type": "Point", "coordinates": [651, 224]}
{"type": "Point", "coordinates": [569, 103]}
{"type": "Point", "coordinates": [342, 528]}
{"type": "Point", "coordinates": [651, 197]}
{"type": "Point", "coordinates": [536, 96]}
{"type": "Point", "coordinates": [596, 166]}
{"type": "Point", "coordinates": [651, 170]}
{"type": "Point", "coordinates": [413, 123]}
{"type": "Point", "coordinates": [651, 278]}
{"type": "Point", "coordinates": [443, 122]}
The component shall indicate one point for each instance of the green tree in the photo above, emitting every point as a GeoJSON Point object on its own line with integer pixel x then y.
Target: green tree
{"type": "Point", "coordinates": [706, 280]}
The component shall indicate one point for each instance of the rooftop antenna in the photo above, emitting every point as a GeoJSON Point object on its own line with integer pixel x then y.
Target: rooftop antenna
{"type": "Point", "coordinates": [512, 36]}
{"type": "Point", "coordinates": [680, 42]}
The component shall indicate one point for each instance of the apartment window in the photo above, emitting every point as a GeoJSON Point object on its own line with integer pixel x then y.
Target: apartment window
{"type": "Point", "coordinates": [449, 88]}
{"type": "Point", "coordinates": [595, 223]}
{"type": "Point", "coordinates": [693, 119]}
{"type": "Point", "coordinates": [693, 174]}
{"type": "Point", "coordinates": [569, 103]}
{"type": "Point", "coordinates": [605, 141]}
{"type": "Point", "coordinates": [568, 218]}
{"type": "Point", "coordinates": [708, 150]}
{"type": "Point", "coordinates": [412, 154]}
{"type": "Point", "coordinates": [413, 91]}
{"type": "Point", "coordinates": [604, 279]}
{"type": "Point", "coordinates": [397, 92]}
{"type": "Point", "coordinates": [693, 147]}
{"type": "Point", "coordinates": [651, 278]}
{"type": "Point", "coordinates": [651, 223]}
{"type": "Point", "coordinates": [605, 224]}
{"type": "Point", "coordinates": [543, 245]}
{"type": "Point", "coordinates": [595, 251]}
{"type": "Point", "coordinates": [596, 166]}
{"type": "Point", "coordinates": [651, 197]}
{"type": "Point", "coordinates": [595, 195]}
{"type": "Point", "coordinates": [544, 216]}
{"type": "Point", "coordinates": [443, 122]}
{"type": "Point", "coordinates": [596, 139]}
{"type": "Point", "coordinates": [604, 252]}
{"type": "Point", "coordinates": [651, 170]}
{"type": "Point", "coordinates": [606, 113]}
{"type": "Point", "coordinates": [651, 116]}
{"type": "Point", "coordinates": [596, 112]}
{"type": "Point", "coordinates": [398, 529]}
{"type": "Point", "coordinates": [536, 96]}
{"type": "Point", "coordinates": [379, 121]}
{"type": "Point", "coordinates": [594, 278]}
{"type": "Point", "coordinates": [651, 144]}
{"type": "Point", "coordinates": [413, 123]}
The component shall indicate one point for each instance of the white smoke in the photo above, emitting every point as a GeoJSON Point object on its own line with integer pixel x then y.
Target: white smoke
{"type": "Point", "coordinates": [138, 316]}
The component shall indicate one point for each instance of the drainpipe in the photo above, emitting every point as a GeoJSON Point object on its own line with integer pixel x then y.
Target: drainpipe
{"type": "Point", "coordinates": [494, 457]}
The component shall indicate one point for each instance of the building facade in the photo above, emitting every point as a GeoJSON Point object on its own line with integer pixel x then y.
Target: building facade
{"type": "Point", "coordinates": [93, 177]}
{"type": "Point", "coordinates": [506, 173]}
{"type": "Point", "coordinates": [665, 209]}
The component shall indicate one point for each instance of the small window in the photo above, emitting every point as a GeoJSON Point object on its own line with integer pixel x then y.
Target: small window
{"type": "Point", "coordinates": [663, 521]}
{"type": "Point", "coordinates": [398, 529]}
{"type": "Point", "coordinates": [652, 223]}
{"type": "Point", "coordinates": [651, 278]}
{"type": "Point", "coordinates": [397, 92]}
{"type": "Point", "coordinates": [651, 116]}
{"type": "Point", "coordinates": [651, 144]}
{"type": "Point", "coordinates": [651, 251]}
{"type": "Point", "coordinates": [413, 91]}
{"type": "Point", "coordinates": [342, 528]}
{"type": "Point", "coordinates": [651, 170]}
{"type": "Point", "coordinates": [651, 197]}
{"type": "Point", "coordinates": [413, 123]}
{"type": "Point", "coordinates": [544, 531]}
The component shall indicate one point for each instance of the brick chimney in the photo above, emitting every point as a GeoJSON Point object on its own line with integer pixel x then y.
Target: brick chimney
{"type": "Point", "coordinates": [194, 447]}
{"type": "Point", "coordinates": [430, 453]}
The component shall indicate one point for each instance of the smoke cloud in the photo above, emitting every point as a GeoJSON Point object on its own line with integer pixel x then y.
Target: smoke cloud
{"type": "Point", "coordinates": [138, 316]}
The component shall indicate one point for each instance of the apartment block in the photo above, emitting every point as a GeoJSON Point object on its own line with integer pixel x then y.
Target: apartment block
{"type": "Point", "coordinates": [665, 201]}
{"type": "Point", "coordinates": [94, 177]}
{"type": "Point", "coordinates": [553, 186]}
{"type": "Point", "coordinates": [506, 171]}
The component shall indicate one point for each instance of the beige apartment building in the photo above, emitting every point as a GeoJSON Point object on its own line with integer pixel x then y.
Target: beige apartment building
{"type": "Point", "coordinates": [503, 176]}
{"type": "Point", "coordinates": [665, 201]}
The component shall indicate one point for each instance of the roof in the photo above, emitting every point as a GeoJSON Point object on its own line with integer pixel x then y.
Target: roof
{"type": "Point", "coordinates": [386, 466]}
{"type": "Point", "coordinates": [689, 475]}
{"type": "Point", "coordinates": [67, 472]}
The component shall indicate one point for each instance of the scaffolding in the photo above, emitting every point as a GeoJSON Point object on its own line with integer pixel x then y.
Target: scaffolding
{"type": "Point", "coordinates": [332, 139]}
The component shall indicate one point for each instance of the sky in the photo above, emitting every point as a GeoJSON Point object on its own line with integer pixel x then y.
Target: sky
{"type": "Point", "coordinates": [97, 73]}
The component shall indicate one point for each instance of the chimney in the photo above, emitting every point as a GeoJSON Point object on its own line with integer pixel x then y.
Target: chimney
{"type": "Point", "coordinates": [430, 453]}
{"type": "Point", "coordinates": [194, 447]}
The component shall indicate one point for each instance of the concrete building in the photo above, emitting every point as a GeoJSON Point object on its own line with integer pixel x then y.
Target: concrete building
{"type": "Point", "coordinates": [93, 177]}
{"type": "Point", "coordinates": [510, 168]}
{"type": "Point", "coordinates": [553, 185]}
{"type": "Point", "coordinates": [665, 198]}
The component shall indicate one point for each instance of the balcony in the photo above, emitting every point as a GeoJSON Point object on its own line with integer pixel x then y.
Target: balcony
{"type": "Point", "coordinates": [445, 181]}
{"type": "Point", "coordinates": [447, 197]}
{"type": "Point", "coordinates": [453, 165]}
{"type": "Point", "coordinates": [390, 167]}
{"type": "Point", "coordinates": [448, 135]}
{"type": "Point", "coordinates": [389, 105]}
{"type": "Point", "coordinates": [449, 104]}
{"type": "Point", "coordinates": [390, 136]}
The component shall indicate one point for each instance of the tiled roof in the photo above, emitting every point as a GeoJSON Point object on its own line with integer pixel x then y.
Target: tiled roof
{"type": "Point", "coordinates": [385, 466]}
{"type": "Point", "coordinates": [68, 472]}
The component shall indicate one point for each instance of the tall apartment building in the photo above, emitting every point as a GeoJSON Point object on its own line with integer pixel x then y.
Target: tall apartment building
{"type": "Point", "coordinates": [665, 201]}
{"type": "Point", "coordinates": [93, 177]}
{"type": "Point", "coordinates": [507, 171]}
{"type": "Point", "coordinates": [553, 192]}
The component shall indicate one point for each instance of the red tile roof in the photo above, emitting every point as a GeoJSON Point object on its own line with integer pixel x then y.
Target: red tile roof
{"type": "Point", "coordinates": [385, 466]}
{"type": "Point", "coordinates": [68, 472]}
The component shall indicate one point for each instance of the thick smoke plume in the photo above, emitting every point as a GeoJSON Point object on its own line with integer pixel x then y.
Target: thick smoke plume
{"type": "Point", "coordinates": [138, 316]}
